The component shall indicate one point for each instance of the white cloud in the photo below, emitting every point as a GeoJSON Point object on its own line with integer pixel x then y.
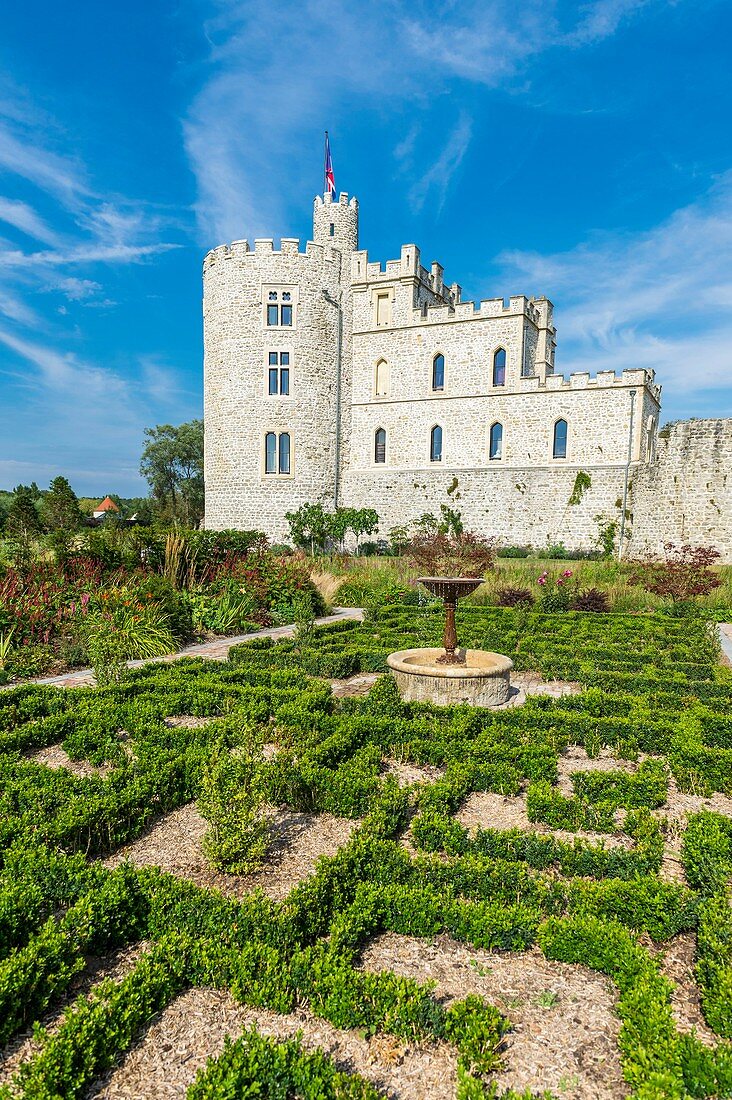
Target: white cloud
{"type": "Point", "coordinates": [23, 217]}
{"type": "Point", "coordinates": [658, 299]}
{"type": "Point", "coordinates": [437, 178]}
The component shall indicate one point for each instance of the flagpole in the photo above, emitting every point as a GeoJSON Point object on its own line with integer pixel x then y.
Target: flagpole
{"type": "Point", "coordinates": [325, 160]}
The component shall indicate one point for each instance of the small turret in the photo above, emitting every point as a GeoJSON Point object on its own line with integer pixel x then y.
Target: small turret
{"type": "Point", "coordinates": [336, 223]}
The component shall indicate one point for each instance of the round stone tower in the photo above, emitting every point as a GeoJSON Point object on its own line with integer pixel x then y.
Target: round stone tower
{"type": "Point", "coordinates": [277, 372]}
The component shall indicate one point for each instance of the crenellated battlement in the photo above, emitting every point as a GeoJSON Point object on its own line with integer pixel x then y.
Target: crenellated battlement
{"type": "Point", "coordinates": [265, 246]}
{"type": "Point", "coordinates": [538, 310]}
{"type": "Point", "coordinates": [639, 377]}
{"type": "Point", "coordinates": [343, 200]}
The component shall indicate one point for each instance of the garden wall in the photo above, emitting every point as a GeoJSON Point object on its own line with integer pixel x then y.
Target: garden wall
{"type": "Point", "coordinates": [685, 496]}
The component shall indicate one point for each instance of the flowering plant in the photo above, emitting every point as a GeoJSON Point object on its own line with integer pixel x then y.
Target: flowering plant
{"type": "Point", "coordinates": [556, 594]}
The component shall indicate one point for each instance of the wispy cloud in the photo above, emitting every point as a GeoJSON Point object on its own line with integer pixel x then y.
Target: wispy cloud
{"type": "Point", "coordinates": [23, 217]}
{"type": "Point", "coordinates": [659, 299]}
{"type": "Point", "coordinates": [437, 179]}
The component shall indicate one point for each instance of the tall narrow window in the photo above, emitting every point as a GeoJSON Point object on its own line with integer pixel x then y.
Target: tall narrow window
{"type": "Point", "coordinates": [278, 383]}
{"type": "Point", "coordinates": [270, 453]}
{"type": "Point", "coordinates": [277, 453]}
{"type": "Point", "coordinates": [499, 367]}
{"type": "Point", "coordinates": [380, 445]}
{"type": "Point", "coordinates": [381, 382]}
{"type": "Point", "coordinates": [436, 444]}
{"type": "Point", "coordinates": [284, 456]}
{"type": "Point", "coordinates": [383, 308]}
{"type": "Point", "coordinates": [559, 450]}
{"type": "Point", "coordinates": [332, 229]}
{"type": "Point", "coordinates": [495, 446]}
{"type": "Point", "coordinates": [438, 372]}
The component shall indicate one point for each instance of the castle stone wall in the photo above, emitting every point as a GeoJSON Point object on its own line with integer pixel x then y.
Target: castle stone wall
{"type": "Point", "coordinates": [685, 496]}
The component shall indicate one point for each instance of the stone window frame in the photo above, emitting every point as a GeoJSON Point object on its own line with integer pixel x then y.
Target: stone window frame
{"type": "Point", "coordinates": [494, 353]}
{"type": "Point", "coordinates": [382, 292]}
{"type": "Point", "coordinates": [279, 349]}
{"type": "Point", "coordinates": [280, 288]}
{"type": "Point", "coordinates": [552, 439]}
{"type": "Point", "coordinates": [436, 461]}
{"type": "Point", "coordinates": [375, 379]}
{"type": "Point", "coordinates": [501, 452]}
{"type": "Point", "coordinates": [374, 451]}
{"type": "Point", "coordinates": [433, 359]}
{"type": "Point", "coordinates": [278, 433]}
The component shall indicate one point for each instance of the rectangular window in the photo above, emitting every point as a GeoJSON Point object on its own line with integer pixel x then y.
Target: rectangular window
{"type": "Point", "coordinates": [280, 308]}
{"type": "Point", "coordinates": [284, 453]}
{"type": "Point", "coordinates": [270, 453]}
{"type": "Point", "coordinates": [278, 374]}
{"type": "Point", "coordinates": [383, 309]}
{"type": "Point", "coordinates": [286, 315]}
{"type": "Point", "coordinates": [272, 316]}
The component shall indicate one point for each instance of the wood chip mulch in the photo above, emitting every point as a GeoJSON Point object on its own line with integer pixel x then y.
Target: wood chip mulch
{"type": "Point", "coordinates": [174, 844]}
{"type": "Point", "coordinates": [565, 1029]}
{"type": "Point", "coordinates": [178, 1043]}
{"type": "Point", "coordinates": [487, 810]}
{"type": "Point", "coordinates": [53, 756]}
{"type": "Point", "coordinates": [678, 959]}
{"type": "Point", "coordinates": [115, 966]}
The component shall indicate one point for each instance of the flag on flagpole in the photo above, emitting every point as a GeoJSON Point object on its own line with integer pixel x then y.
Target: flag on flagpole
{"type": "Point", "coordinates": [330, 187]}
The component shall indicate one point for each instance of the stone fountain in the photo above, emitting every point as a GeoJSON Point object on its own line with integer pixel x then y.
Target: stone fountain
{"type": "Point", "coordinates": [451, 675]}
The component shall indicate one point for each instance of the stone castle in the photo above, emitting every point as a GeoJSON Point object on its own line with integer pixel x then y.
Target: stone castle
{"type": "Point", "coordinates": [329, 378]}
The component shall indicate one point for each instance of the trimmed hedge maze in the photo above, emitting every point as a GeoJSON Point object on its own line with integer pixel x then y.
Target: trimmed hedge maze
{"type": "Point", "coordinates": [652, 692]}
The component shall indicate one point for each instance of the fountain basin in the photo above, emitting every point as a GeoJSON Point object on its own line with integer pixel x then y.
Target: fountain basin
{"type": "Point", "coordinates": [481, 679]}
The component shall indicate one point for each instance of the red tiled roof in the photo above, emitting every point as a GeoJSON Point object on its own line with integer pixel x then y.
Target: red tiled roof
{"type": "Point", "coordinates": [107, 505]}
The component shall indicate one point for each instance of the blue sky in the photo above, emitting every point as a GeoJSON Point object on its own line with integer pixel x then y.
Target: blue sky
{"type": "Point", "coordinates": [578, 151]}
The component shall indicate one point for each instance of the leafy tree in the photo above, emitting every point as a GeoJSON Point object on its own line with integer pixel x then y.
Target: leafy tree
{"type": "Point", "coordinates": [22, 518]}
{"type": "Point", "coordinates": [310, 527]}
{"type": "Point", "coordinates": [172, 464]}
{"type": "Point", "coordinates": [60, 509]}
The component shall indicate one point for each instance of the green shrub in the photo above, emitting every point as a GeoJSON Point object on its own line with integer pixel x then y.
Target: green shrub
{"type": "Point", "coordinates": [232, 802]}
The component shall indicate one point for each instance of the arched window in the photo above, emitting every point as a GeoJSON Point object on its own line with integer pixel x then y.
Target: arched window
{"type": "Point", "coordinates": [559, 449]}
{"type": "Point", "coordinates": [495, 445]}
{"type": "Point", "coordinates": [284, 463]}
{"type": "Point", "coordinates": [499, 367]}
{"type": "Point", "coordinates": [381, 380]}
{"type": "Point", "coordinates": [438, 372]}
{"type": "Point", "coordinates": [380, 445]}
{"type": "Point", "coordinates": [270, 453]}
{"type": "Point", "coordinates": [277, 453]}
{"type": "Point", "coordinates": [436, 444]}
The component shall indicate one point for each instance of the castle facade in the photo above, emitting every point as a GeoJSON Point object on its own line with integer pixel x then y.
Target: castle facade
{"type": "Point", "coordinates": [329, 378]}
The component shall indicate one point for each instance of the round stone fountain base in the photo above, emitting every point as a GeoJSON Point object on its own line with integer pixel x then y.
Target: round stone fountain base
{"type": "Point", "coordinates": [483, 681]}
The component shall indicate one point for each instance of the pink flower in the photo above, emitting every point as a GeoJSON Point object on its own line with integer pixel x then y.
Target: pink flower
{"type": "Point", "coordinates": [541, 580]}
{"type": "Point", "coordinates": [559, 580]}
{"type": "Point", "coordinates": [567, 573]}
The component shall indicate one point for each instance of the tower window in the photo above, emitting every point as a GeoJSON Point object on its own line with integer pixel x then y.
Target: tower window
{"type": "Point", "coordinates": [278, 381]}
{"type": "Point", "coordinates": [279, 309]}
{"type": "Point", "coordinates": [332, 229]}
{"type": "Point", "coordinates": [559, 448]}
{"type": "Point", "coordinates": [381, 379]}
{"type": "Point", "coordinates": [383, 308]}
{"type": "Point", "coordinates": [495, 445]}
{"type": "Point", "coordinates": [438, 372]}
{"type": "Point", "coordinates": [380, 445]}
{"type": "Point", "coordinates": [277, 453]}
{"type": "Point", "coordinates": [436, 444]}
{"type": "Point", "coordinates": [499, 367]}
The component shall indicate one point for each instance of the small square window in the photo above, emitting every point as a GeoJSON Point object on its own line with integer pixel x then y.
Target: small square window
{"type": "Point", "coordinates": [273, 359]}
{"type": "Point", "coordinates": [285, 358]}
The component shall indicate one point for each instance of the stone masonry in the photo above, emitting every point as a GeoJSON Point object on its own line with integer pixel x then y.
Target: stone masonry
{"type": "Point", "coordinates": [354, 421]}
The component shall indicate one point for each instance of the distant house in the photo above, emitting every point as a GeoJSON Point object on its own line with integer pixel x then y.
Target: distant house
{"type": "Point", "coordinates": [103, 509]}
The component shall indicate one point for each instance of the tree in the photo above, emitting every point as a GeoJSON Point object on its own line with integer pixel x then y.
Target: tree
{"type": "Point", "coordinates": [172, 464]}
{"type": "Point", "coordinates": [310, 527]}
{"type": "Point", "coordinates": [60, 509]}
{"type": "Point", "coordinates": [681, 573]}
{"type": "Point", "coordinates": [22, 518]}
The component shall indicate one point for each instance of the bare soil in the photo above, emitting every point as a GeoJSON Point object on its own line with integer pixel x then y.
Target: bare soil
{"type": "Point", "coordinates": [53, 756]}
{"type": "Point", "coordinates": [487, 810]}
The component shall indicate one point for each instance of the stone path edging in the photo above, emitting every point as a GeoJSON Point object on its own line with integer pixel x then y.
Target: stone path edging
{"type": "Point", "coordinates": [725, 638]}
{"type": "Point", "coordinates": [216, 650]}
